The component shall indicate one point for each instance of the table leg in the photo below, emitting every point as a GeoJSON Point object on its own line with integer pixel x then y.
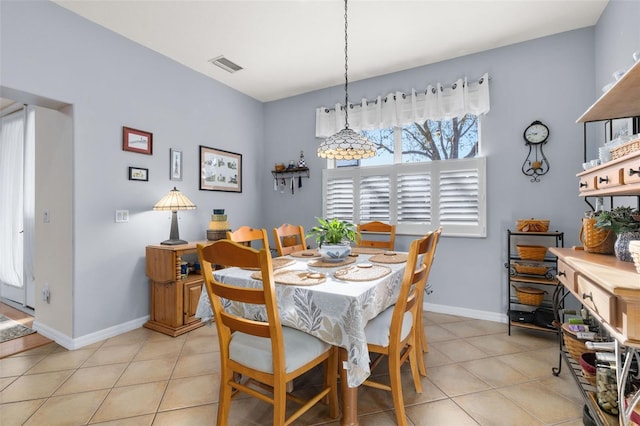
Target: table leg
{"type": "Point", "coordinates": [349, 395]}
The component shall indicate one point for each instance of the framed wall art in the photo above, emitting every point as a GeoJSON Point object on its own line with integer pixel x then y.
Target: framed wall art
{"type": "Point", "coordinates": [137, 141]}
{"type": "Point", "coordinates": [220, 170]}
{"type": "Point", "coordinates": [175, 165]}
{"type": "Point", "coordinates": [138, 173]}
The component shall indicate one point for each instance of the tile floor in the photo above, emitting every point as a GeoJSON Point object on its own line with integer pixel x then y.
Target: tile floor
{"type": "Point", "coordinates": [477, 375]}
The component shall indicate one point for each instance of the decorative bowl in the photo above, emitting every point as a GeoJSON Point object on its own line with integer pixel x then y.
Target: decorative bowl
{"type": "Point", "coordinates": [334, 252]}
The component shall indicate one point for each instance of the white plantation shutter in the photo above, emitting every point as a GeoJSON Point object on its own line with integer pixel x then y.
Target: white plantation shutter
{"type": "Point", "coordinates": [416, 197]}
{"type": "Point", "coordinates": [338, 200]}
{"type": "Point", "coordinates": [374, 194]}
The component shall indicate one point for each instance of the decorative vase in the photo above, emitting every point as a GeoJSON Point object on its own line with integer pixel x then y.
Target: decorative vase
{"type": "Point", "coordinates": [621, 247]}
{"type": "Point", "coordinates": [334, 252]}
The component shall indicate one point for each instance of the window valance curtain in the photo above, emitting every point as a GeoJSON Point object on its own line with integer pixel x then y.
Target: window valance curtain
{"type": "Point", "coordinates": [396, 109]}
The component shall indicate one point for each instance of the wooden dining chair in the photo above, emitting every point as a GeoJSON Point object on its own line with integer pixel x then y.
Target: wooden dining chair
{"type": "Point", "coordinates": [247, 235]}
{"type": "Point", "coordinates": [289, 238]}
{"type": "Point", "coordinates": [392, 332]}
{"type": "Point", "coordinates": [386, 235]}
{"type": "Point", "coordinates": [261, 349]}
{"type": "Point", "coordinates": [421, 336]}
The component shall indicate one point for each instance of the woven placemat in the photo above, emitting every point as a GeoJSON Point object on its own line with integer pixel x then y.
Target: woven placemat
{"type": "Point", "coordinates": [305, 253]}
{"type": "Point", "coordinates": [388, 257]}
{"type": "Point", "coordinates": [357, 273]}
{"type": "Point", "coordinates": [294, 277]}
{"type": "Point", "coordinates": [278, 262]}
{"type": "Point", "coordinates": [324, 264]}
{"type": "Point", "coordinates": [366, 250]}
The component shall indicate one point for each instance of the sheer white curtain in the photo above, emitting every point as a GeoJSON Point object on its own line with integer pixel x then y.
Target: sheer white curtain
{"type": "Point", "coordinates": [396, 109]}
{"type": "Point", "coordinates": [14, 202]}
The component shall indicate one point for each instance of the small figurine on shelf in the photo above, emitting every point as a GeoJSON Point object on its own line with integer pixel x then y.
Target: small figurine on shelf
{"type": "Point", "coordinates": [301, 163]}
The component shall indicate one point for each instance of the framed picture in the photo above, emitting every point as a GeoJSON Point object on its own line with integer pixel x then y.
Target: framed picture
{"type": "Point", "coordinates": [616, 128]}
{"type": "Point", "coordinates": [137, 141]}
{"type": "Point", "coordinates": [220, 170]}
{"type": "Point", "coordinates": [175, 165]}
{"type": "Point", "coordinates": [137, 173]}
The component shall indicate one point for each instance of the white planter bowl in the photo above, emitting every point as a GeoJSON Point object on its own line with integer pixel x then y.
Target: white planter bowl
{"type": "Point", "coordinates": [334, 252]}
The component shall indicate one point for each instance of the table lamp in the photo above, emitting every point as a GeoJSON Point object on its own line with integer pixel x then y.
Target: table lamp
{"type": "Point", "coordinates": [174, 201]}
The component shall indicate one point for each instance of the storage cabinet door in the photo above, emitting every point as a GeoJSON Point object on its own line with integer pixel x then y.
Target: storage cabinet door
{"type": "Point", "coordinates": [191, 297]}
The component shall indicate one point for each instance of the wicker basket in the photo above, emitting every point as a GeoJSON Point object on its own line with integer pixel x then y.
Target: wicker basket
{"type": "Point", "coordinates": [576, 347]}
{"type": "Point", "coordinates": [529, 295]}
{"type": "Point", "coordinates": [625, 148]}
{"type": "Point", "coordinates": [532, 225]}
{"type": "Point", "coordinates": [531, 252]}
{"type": "Point", "coordinates": [596, 240]}
{"type": "Point", "coordinates": [530, 268]}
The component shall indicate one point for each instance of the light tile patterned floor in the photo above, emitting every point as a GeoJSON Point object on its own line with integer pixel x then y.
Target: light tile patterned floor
{"type": "Point", "coordinates": [477, 375]}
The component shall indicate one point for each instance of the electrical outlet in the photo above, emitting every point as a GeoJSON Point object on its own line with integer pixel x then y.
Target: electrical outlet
{"type": "Point", "coordinates": [46, 293]}
{"type": "Point", "coordinates": [122, 216]}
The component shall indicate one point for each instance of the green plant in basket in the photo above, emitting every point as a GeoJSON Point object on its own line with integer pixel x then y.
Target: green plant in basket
{"type": "Point", "coordinates": [619, 220]}
{"type": "Point", "coordinates": [332, 231]}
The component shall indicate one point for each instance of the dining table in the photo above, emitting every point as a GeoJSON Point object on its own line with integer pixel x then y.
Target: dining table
{"type": "Point", "coordinates": [330, 300]}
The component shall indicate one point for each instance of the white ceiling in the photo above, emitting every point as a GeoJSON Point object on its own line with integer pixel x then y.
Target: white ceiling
{"type": "Point", "coordinates": [296, 46]}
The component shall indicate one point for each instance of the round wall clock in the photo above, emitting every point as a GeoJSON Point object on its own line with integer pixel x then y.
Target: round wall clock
{"type": "Point", "coordinates": [536, 164]}
{"type": "Point", "coordinates": [536, 132]}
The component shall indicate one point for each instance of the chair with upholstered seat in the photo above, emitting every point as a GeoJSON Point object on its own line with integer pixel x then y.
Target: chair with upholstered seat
{"type": "Point", "coordinates": [247, 235]}
{"type": "Point", "coordinates": [260, 350]}
{"type": "Point", "coordinates": [392, 332]}
{"type": "Point", "coordinates": [421, 337]}
{"type": "Point", "coordinates": [385, 235]}
{"type": "Point", "coordinates": [289, 238]}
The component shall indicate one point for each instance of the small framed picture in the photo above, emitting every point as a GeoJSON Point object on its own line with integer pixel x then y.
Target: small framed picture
{"type": "Point", "coordinates": [175, 166]}
{"type": "Point", "coordinates": [138, 173]}
{"type": "Point", "coordinates": [137, 141]}
{"type": "Point", "coordinates": [220, 170]}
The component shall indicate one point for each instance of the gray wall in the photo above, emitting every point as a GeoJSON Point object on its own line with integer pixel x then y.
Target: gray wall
{"type": "Point", "coordinates": [548, 79]}
{"type": "Point", "coordinates": [111, 82]}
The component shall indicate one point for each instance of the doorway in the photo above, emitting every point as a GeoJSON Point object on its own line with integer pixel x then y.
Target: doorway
{"type": "Point", "coordinates": [17, 226]}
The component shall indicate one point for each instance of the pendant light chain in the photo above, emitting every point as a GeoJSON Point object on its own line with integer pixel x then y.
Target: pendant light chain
{"type": "Point", "coordinates": [347, 144]}
{"type": "Point", "coordinates": [346, 69]}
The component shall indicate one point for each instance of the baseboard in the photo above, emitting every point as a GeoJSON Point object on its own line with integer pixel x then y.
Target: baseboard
{"type": "Point", "coordinates": [465, 312]}
{"type": "Point", "coordinates": [71, 343]}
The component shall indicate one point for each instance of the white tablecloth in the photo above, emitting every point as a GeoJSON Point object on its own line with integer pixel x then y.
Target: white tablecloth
{"type": "Point", "coordinates": [334, 311]}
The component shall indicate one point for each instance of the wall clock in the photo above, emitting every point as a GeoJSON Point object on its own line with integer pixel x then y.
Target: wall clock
{"type": "Point", "coordinates": [536, 164]}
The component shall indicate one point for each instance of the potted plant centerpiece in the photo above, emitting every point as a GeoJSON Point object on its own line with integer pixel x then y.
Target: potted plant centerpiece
{"type": "Point", "coordinates": [625, 223]}
{"type": "Point", "coordinates": [334, 238]}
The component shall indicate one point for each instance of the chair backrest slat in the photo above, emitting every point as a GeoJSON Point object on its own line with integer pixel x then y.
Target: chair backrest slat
{"type": "Point", "coordinates": [247, 235]}
{"type": "Point", "coordinates": [289, 238]}
{"type": "Point", "coordinates": [386, 232]}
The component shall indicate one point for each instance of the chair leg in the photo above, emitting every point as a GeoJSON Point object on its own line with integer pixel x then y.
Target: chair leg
{"type": "Point", "coordinates": [421, 342]}
{"type": "Point", "coordinates": [396, 388]}
{"type": "Point", "coordinates": [224, 399]}
{"type": "Point", "coordinates": [415, 367]}
{"type": "Point", "coordinates": [279, 403]}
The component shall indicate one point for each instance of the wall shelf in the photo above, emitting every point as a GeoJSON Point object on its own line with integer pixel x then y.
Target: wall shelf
{"type": "Point", "coordinates": [298, 171]}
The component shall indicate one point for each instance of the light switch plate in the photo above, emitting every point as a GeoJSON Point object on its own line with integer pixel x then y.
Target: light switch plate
{"type": "Point", "coordinates": [122, 216]}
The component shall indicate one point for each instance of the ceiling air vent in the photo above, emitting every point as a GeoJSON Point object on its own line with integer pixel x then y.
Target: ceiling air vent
{"type": "Point", "coordinates": [225, 64]}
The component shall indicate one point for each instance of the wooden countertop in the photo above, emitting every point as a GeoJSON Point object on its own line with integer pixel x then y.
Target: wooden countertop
{"type": "Point", "coordinates": [615, 276]}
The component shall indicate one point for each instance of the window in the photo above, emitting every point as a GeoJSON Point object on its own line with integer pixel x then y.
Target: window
{"type": "Point", "coordinates": [409, 185]}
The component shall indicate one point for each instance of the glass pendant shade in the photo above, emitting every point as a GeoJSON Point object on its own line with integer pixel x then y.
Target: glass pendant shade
{"type": "Point", "coordinates": [347, 145]}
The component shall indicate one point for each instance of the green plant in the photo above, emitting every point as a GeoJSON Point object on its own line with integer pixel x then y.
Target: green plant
{"type": "Point", "coordinates": [332, 231]}
{"type": "Point", "coordinates": [619, 220]}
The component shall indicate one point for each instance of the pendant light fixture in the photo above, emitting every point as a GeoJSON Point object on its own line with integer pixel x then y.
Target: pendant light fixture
{"type": "Point", "coordinates": [346, 144]}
